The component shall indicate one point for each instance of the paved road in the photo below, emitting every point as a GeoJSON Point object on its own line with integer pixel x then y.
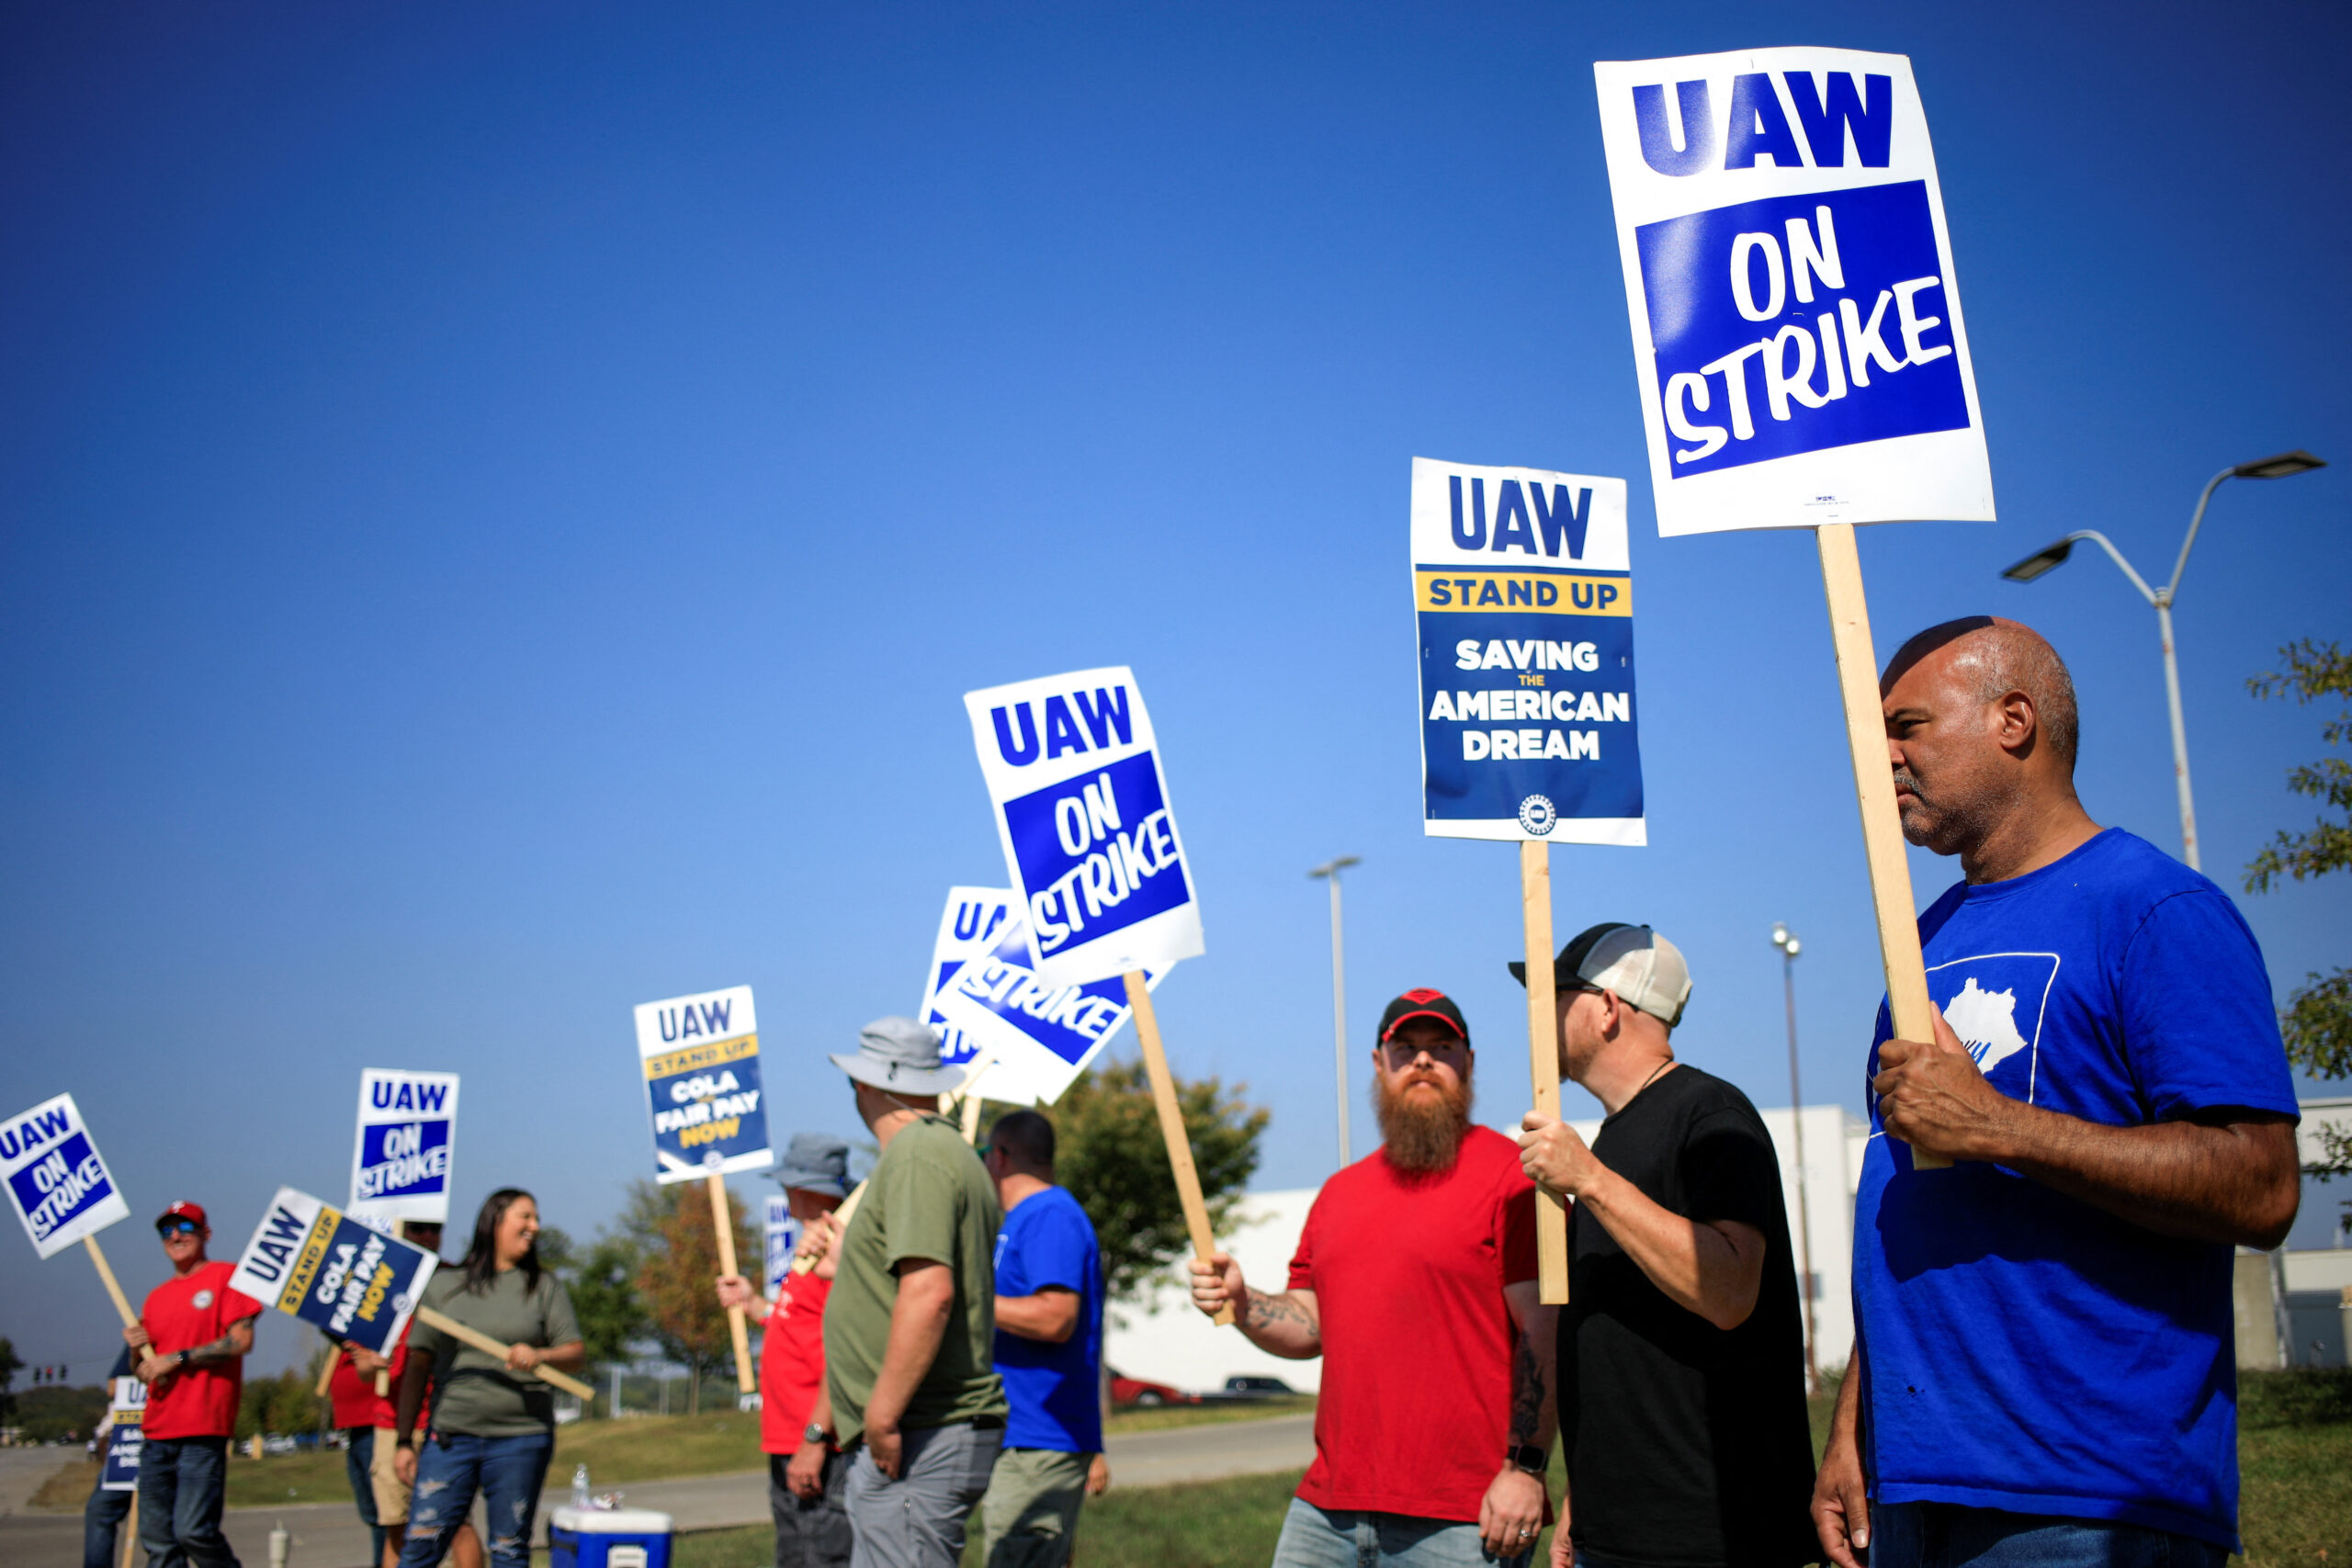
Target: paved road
{"type": "Point", "coordinates": [23, 1470]}
{"type": "Point", "coordinates": [330, 1535]}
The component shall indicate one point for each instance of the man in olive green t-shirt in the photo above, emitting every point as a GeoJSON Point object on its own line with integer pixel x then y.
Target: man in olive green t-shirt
{"type": "Point", "coordinates": [910, 1326]}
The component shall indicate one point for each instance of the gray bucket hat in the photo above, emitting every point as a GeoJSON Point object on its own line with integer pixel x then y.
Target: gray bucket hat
{"type": "Point", "coordinates": [816, 1162]}
{"type": "Point", "coordinates": [899, 1056]}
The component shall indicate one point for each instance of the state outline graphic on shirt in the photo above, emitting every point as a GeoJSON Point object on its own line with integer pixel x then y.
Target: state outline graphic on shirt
{"type": "Point", "coordinates": [1983, 1010]}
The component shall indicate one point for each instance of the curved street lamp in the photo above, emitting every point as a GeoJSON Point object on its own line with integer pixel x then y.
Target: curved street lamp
{"type": "Point", "coordinates": [2051, 556]}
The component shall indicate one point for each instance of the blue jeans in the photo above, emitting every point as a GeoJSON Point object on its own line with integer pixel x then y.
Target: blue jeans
{"type": "Point", "coordinates": [1947, 1534]}
{"type": "Point", "coordinates": [1314, 1538]}
{"type": "Point", "coordinates": [101, 1517]}
{"type": "Point", "coordinates": [358, 1453]}
{"type": "Point", "coordinates": [450, 1469]}
{"type": "Point", "coordinates": [181, 1484]}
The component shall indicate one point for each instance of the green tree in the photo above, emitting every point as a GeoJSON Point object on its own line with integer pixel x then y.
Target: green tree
{"type": "Point", "coordinates": [674, 1280]}
{"type": "Point", "coordinates": [1109, 1154]}
{"type": "Point", "coordinates": [2317, 1022]}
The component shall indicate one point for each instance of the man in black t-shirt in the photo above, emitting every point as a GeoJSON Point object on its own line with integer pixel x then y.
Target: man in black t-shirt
{"type": "Point", "coordinates": [1681, 1365]}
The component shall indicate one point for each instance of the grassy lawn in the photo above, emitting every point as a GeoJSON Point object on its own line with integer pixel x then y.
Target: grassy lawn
{"type": "Point", "coordinates": [1161, 1418]}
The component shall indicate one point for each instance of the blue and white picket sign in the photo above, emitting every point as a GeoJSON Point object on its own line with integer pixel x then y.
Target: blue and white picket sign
{"type": "Point", "coordinates": [1523, 605]}
{"type": "Point", "coordinates": [60, 1188]}
{"type": "Point", "coordinates": [1797, 330]}
{"type": "Point", "coordinates": [1038, 1035]}
{"type": "Point", "coordinates": [969, 928]}
{"type": "Point", "coordinates": [313, 1261]}
{"type": "Point", "coordinates": [1081, 808]}
{"type": "Point", "coordinates": [701, 1059]}
{"type": "Point", "coordinates": [120, 1460]}
{"type": "Point", "coordinates": [781, 1235]}
{"type": "Point", "coordinates": [407, 1142]}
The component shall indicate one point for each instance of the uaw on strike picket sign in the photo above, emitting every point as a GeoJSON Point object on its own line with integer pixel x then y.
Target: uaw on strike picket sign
{"type": "Point", "coordinates": [969, 928]}
{"type": "Point", "coordinates": [1082, 807]}
{"type": "Point", "coordinates": [128, 1408]}
{"type": "Point", "coordinates": [1523, 603]}
{"type": "Point", "coordinates": [1796, 327]}
{"type": "Point", "coordinates": [335, 1274]}
{"type": "Point", "coordinates": [701, 1058]}
{"type": "Point", "coordinates": [1038, 1035]}
{"type": "Point", "coordinates": [401, 1161]}
{"type": "Point", "coordinates": [60, 1187]}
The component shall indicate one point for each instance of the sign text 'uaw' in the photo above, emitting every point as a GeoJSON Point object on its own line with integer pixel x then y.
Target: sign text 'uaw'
{"type": "Point", "coordinates": [343, 1277]}
{"type": "Point", "coordinates": [1038, 1033]}
{"type": "Point", "coordinates": [969, 928]}
{"type": "Point", "coordinates": [701, 1061]}
{"type": "Point", "coordinates": [1796, 325]}
{"type": "Point", "coordinates": [1523, 608]}
{"type": "Point", "coordinates": [57, 1182]}
{"type": "Point", "coordinates": [407, 1143]}
{"type": "Point", "coordinates": [1081, 808]}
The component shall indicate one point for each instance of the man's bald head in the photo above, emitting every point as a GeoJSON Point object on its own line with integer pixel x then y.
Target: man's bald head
{"type": "Point", "coordinates": [2000, 656]}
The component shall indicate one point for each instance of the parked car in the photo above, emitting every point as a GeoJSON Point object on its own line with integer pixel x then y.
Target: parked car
{"type": "Point", "coordinates": [1128, 1392]}
{"type": "Point", "coordinates": [1257, 1388]}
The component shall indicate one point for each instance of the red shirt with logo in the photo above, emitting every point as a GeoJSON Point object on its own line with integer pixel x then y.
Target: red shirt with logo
{"type": "Point", "coordinates": [187, 1313]}
{"type": "Point", "coordinates": [1408, 1274]}
{"type": "Point", "coordinates": [355, 1400]}
{"type": "Point", "coordinates": [792, 1361]}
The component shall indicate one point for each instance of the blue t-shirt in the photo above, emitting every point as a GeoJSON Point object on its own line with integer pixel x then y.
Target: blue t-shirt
{"type": "Point", "coordinates": [1055, 1390]}
{"type": "Point", "coordinates": [2025, 1350]}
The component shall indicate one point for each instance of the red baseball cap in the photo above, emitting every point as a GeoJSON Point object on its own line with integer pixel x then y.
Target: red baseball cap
{"type": "Point", "coordinates": [185, 1210]}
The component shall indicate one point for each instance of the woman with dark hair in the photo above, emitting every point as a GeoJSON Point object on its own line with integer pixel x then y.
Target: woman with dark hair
{"type": "Point", "coordinates": [491, 1428]}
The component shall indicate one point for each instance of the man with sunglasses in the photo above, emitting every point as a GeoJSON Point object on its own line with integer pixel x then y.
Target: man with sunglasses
{"type": "Point", "coordinates": [1681, 1353]}
{"type": "Point", "coordinates": [191, 1339]}
{"type": "Point", "coordinates": [1415, 1281]}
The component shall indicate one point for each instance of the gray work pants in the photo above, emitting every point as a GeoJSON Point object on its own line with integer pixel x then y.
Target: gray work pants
{"type": "Point", "coordinates": [917, 1521]}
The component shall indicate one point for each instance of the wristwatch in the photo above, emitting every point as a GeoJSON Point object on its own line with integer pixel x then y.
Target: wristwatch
{"type": "Point", "coordinates": [180, 1358]}
{"type": "Point", "coordinates": [1529, 1458]}
{"type": "Point", "coordinates": [812, 1433]}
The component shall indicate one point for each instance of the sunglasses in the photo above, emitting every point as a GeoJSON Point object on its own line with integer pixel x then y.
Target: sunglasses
{"type": "Point", "coordinates": [170, 1228]}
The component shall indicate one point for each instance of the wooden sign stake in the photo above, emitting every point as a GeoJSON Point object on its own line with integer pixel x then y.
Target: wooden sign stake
{"type": "Point", "coordinates": [1544, 1057]}
{"type": "Point", "coordinates": [1171, 1126]}
{"type": "Point", "coordinates": [735, 1328]}
{"type": "Point", "coordinates": [971, 1116]}
{"type": "Point", "coordinates": [105, 1277]}
{"type": "Point", "coordinates": [326, 1372]}
{"type": "Point", "coordinates": [1898, 921]}
{"type": "Point", "coordinates": [488, 1346]}
{"type": "Point", "coordinates": [131, 1531]}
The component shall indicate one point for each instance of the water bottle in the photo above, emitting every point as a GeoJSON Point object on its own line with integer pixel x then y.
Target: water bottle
{"type": "Point", "coordinates": [580, 1487]}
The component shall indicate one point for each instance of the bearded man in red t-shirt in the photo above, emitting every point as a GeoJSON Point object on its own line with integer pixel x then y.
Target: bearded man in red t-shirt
{"type": "Point", "coordinates": [1415, 1281]}
{"type": "Point", "coordinates": [191, 1339]}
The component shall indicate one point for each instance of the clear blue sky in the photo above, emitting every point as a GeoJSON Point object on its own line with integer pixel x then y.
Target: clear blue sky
{"type": "Point", "coordinates": [501, 504]}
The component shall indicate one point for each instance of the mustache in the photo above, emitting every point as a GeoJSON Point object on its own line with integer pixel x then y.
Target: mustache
{"type": "Point", "coordinates": [1906, 779]}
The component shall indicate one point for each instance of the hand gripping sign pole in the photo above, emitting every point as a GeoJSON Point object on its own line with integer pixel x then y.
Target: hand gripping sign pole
{"type": "Point", "coordinates": [700, 1055]}
{"type": "Point", "coordinates": [1523, 609]}
{"type": "Point", "coordinates": [1799, 346]}
{"type": "Point", "coordinates": [60, 1188]}
{"type": "Point", "coordinates": [1074, 777]}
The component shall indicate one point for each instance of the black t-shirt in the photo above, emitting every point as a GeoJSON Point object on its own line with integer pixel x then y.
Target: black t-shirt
{"type": "Point", "coordinates": [1687, 1445]}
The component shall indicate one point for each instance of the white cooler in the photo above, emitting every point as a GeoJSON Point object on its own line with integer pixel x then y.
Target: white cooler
{"type": "Point", "coordinates": [608, 1538]}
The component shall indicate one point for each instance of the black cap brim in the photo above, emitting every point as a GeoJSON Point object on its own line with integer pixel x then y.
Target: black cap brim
{"type": "Point", "coordinates": [1517, 971]}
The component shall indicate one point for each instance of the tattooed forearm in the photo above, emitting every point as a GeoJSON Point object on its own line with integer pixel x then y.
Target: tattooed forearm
{"type": "Point", "coordinates": [1527, 1392]}
{"type": "Point", "coordinates": [228, 1347]}
{"type": "Point", "coordinates": [1267, 1312]}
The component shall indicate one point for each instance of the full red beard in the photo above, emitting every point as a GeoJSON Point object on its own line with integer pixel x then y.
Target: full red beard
{"type": "Point", "coordinates": [1421, 1132]}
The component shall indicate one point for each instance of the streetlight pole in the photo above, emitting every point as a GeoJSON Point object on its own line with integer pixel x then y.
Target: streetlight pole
{"type": "Point", "coordinates": [2051, 556]}
{"type": "Point", "coordinates": [1786, 940]}
{"type": "Point", "coordinates": [1329, 870]}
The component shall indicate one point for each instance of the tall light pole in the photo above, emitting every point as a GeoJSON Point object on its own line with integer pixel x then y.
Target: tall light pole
{"type": "Point", "coordinates": [1331, 871]}
{"type": "Point", "coordinates": [1786, 940]}
{"type": "Point", "coordinates": [2051, 556]}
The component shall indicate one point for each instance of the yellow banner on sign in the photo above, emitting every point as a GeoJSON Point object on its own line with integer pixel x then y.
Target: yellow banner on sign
{"type": "Point", "coordinates": [306, 1266]}
{"type": "Point", "coordinates": [670, 1064]}
{"type": "Point", "coordinates": [1541, 594]}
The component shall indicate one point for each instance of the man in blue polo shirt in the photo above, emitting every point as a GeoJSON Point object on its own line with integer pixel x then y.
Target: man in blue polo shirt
{"type": "Point", "coordinates": [1048, 1351]}
{"type": "Point", "coordinates": [2044, 1375]}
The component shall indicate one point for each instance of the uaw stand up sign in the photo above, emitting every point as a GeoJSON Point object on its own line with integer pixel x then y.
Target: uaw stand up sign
{"type": "Point", "coordinates": [1523, 609]}
{"type": "Point", "coordinates": [700, 1058]}
{"type": "Point", "coordinates": [1799, 347]}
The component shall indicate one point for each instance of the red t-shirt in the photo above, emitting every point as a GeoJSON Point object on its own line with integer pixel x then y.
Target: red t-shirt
{"type": "Point", "coordinates": [355, 1402]}
{"type": "Point", "coordinates": [184, 1313]}
{"type": "Point", "coordinates": [1414, 1415]}
{"type": "Point", "coordinates": [792, 1361]}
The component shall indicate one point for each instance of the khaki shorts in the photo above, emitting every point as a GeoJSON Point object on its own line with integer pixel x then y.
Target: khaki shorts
{"type": "Point", "coordinates": [391, 1491]}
